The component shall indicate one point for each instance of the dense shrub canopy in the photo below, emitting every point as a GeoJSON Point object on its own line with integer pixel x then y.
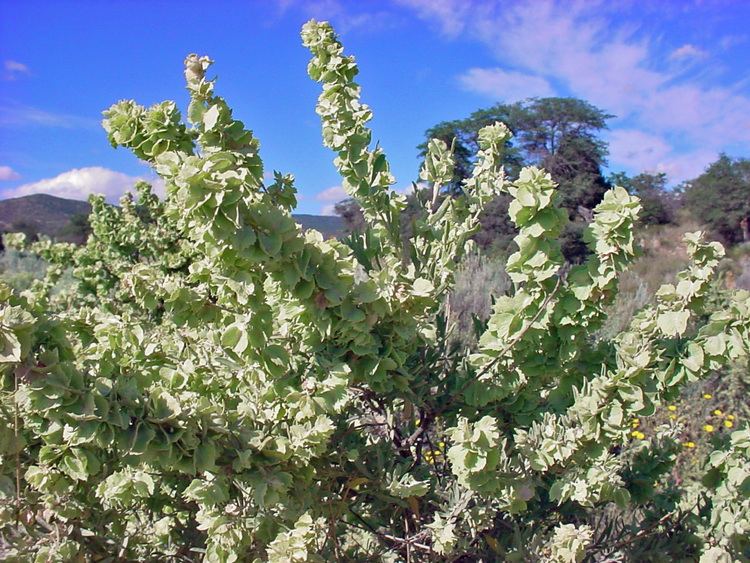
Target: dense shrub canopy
{"type": "Point", "coordinates": [219, 384]}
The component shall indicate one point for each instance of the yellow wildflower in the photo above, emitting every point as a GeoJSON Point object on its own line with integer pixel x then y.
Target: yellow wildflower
{"type": "Point", "coordinates": [689, 444]}
{"type": "Point", "coordinates": [635, 423]}
{"type": "Point", "coordinates": [708, 428]}
{"type": "Point", "coordinates": [638, 435]}
{"type": "Point", "coordinates": [672, 417]}
{"type": "Point", "coordinates": [730, 417]}
{"type": "Point", "coordinates": [707, 395]}
{"type": "Point", "coordinates": [717, 412]}
{"type": "Point", "coordinates": [728, 423]}
{"type": "Point", "coordinates": [672, 408]}
{"type": "Point", "coordinates": [441, 444]}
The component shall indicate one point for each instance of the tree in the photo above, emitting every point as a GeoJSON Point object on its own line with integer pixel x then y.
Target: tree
{"type": "Point", "coordinates": [659, 204]}
{"type": "Point", "coordinates": [216, 383]}
{"type": "Point", "coordinates": [721, 197]}
{"type": "Point", "coordinates": [461, 135]}
{"type": "Point", "coordinates": [77, 230]}
{"type": "Point", "coordinates": [558, 134]}
{"type": "Point", "coordinates": [350, 211]}
{"type": "Point", "coordinates": [28, 227]}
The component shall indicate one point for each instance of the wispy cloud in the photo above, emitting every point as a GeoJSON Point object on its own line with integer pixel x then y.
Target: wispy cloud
{"type": "Point", "coordinates": [19, 115]}
{"type": "Point", "coordinates": [640, 151]}
{"type": "Point", "coordinates": [451, 15]}
{"type": "Point", "coordinates": [330, 197]}
{"type": "Point", "coordinates": [346, 16]}
{"type": "Point", "coordinates": [509, 86]}
{"type": "Point", "coordinates": [7, 174]}
{"type": "Point", "coordinates": [590, 53]}
{"type": "Point", "coordinates": [687, 51]}
{"type": "Point", "coordinates": [637, 148]}
{"type": "Point", "coordinates": [79, 183]}
{"type": "Point", "coordinates": [730, 41]}
{"type": "Point", "coordinates": [334, 193]}
{"type": "Point", "coordinates": [14, 70]}
{"type": "Point", "coordinates": [329, 210]}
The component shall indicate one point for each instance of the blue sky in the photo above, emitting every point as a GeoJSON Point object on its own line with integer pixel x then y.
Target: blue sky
{"type": "Point", "coordinates": [676, 75]}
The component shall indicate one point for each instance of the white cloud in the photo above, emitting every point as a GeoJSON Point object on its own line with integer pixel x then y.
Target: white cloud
{"type": "Point", "coordinates": [334, 193]}
{"type": "Point", "coordinates": [331, 196]}
{"type": "Point", "coordinates": [450, 15]}
{"type": "Point", "coordinates": [639, 151]}
{"type": "Point", "coordinates": [7, 173]}
{"type": "Point", "coordinates": [636, 149]}
{"type": "Point", "coordinates": [509, 86]}
{"type": "Point", "coordinates": [688, 165]}
{"type": "Point", "coordinates": [730, 41]}
{"type": "Point", "coordinates": [329, 209]}
{"type": "Point", "coordinates": [14, 69]}
{"type": "Point", "coordinates": [584, 48]}
{"type": "Point", "coordinates": [346, 16]}
{"type": "Point", "coordinates": [79, 183]}
{"type": "Point", "coordinates": [12, 114]}
{"type": "Point", "coordinates": [687, 51]}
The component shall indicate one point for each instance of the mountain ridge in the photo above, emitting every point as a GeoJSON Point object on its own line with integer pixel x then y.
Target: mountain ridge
{"type": "Point", "coordinates": [50, 215]}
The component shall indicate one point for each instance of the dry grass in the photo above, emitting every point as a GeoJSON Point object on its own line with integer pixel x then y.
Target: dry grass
{"type": "Point", "coordinates": [479, 280]}
{"type": "Point", "coordinates": [663, 256]}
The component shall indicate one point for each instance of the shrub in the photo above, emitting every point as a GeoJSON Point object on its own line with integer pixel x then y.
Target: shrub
{"type": "Point", "coordinates": [19, 269]}
{"type": "Point", "coordinates": [218, 384]}
{"type": "Point", "coordinates": [478, 282]}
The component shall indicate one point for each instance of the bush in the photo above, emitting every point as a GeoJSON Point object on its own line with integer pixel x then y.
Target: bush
{"type": "Point", "coordinates": [480, 280]}
{"type": "Point", "coordinates": [19, 269]}
{"type": "Point", "coordinates": [220, 385]}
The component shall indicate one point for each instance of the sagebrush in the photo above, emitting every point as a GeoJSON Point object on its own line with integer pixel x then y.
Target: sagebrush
{"type": "Point", "coordinates": [217, 384]}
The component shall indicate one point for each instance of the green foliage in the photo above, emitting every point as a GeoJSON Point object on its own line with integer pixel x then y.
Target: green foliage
{"type": "Point", "coordinates": [219, 384]}
{"type": "Point", "coordinates": [77, 230]}
{"type": "Point", "coordinates": [658, 204]}
{"type": "Point", "coordinates": [721, 198]}
{"type": "Point", "coordinates": [558, 134]}
{"type": "Point", "coordinates": [19, 269]}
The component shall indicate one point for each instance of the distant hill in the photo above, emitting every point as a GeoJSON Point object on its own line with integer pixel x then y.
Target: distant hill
{"type": "Point", "coordinates": [39, 213]}
{"type": "Point", "coordinates": [328, 225]}
{"type": "Point", "coordinates": [50, 215]}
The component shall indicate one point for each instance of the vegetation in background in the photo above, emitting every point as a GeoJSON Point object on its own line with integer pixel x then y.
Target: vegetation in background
{"type": "Point", "coordinates": [720, 197]}
{"type": "Point", "coordinates": [42, 214]}
{"type": "Point", "coordinates": [19, 269]}
{"type": "Point", "coordinates": [557, 134]}
{"type": "Point", "coordinates": [480, 280]}
{"type": "Point", "coordinates": [660, 205]}
{"type": "Point", "coordinates": [77, 230]}
{"type": "Point", "coordinates": [221, 385]}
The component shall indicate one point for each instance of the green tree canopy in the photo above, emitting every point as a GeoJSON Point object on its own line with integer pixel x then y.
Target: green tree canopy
{"type": "Point", "coordinates": [658, 202]}
{"type": "Point", "coordinates": [559, 131]}
{"type": "Point", "coordinates": [721, 198]}
{"type": "Point", "coordinates": [559, 134]}
{"type": "Point", "coordinates": [77, 230]}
